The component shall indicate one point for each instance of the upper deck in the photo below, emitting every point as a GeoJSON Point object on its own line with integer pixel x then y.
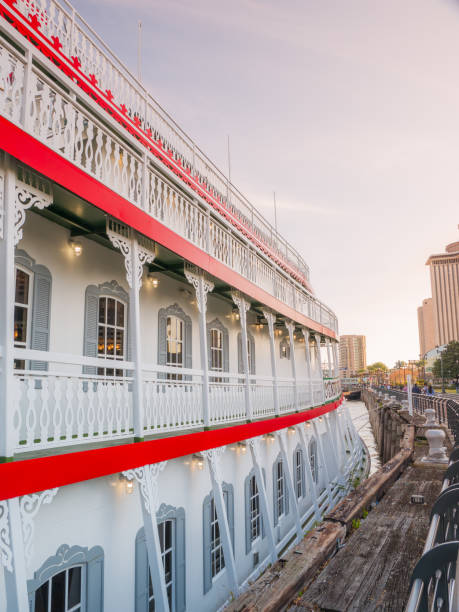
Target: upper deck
{"type": "Point", "coordinates": [61, 84]}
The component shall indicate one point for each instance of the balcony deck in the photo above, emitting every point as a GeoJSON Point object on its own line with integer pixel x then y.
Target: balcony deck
{"type": "Point", "coordinates": [52, 110]}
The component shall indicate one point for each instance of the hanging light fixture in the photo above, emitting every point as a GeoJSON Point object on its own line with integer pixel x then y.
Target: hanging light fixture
{"type": "Point", "coordinates": [76, 247]}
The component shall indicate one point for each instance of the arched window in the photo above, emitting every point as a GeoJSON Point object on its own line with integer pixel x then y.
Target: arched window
{"type": "Point", "coordinates": [280, 493]}
{"type": "Point", "coordinates": [313, 462]}
{"type": "Point", "coordinates": [284, 347]}
{"type": "Point", "coordinates": [70, 581]}
{"type": "Point", "coordinates": [174, 339]}
{"type": "Point", "coordinates": [254, 527]}
{"type": "Point", "coordinates": [250, 350]}
{"type": "Point", "coordinates": [298, 462]}
{"type": "Point", "coordinates": [105, 326]}
{"type": "Point", "coordinates": [32, 304]}
{"type": "Point", "coordinates": [171, 532]}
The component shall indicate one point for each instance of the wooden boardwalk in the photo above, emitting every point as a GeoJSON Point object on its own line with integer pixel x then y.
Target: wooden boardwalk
{"type": "Point", "coordinates": [372, 571]}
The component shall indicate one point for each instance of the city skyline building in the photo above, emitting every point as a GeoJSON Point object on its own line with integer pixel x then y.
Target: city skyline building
{"type": "Point", "coordinates": [426, 326]}
{"type": "Point", "coordinates": [444, 315]}
{"type": "Point", "coordinates": [352, 354]}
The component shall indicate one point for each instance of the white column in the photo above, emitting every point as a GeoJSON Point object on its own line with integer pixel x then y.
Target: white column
{"type": "Point", "coordinates": [202, 287]}
{"type": "Point", "coordinates": [309, 478]}
{"type": "Point", "coordinates": [147, 478]}
{"type": "Point", "coordinates": [254, 444]}
{"type": "Point", "coordinates": [319, 360]}
{"type": "Point", "coordinates": [213, 461]}
{"type": "Point", "coordinates": [243, 307]}
{"type": "Point", "coordinates": [290, 325]}
{"type": "Point", "coordinates": [308, 363]}
{"type": "Point", "coordinates": [7, 296]}
{"type": "Point", "coordinates": [281, 435]}
{"type": "Point", "coordinates": [336, 358]}
{"type": "Point", "coordinates": [271, 319]}
{"type": "Point", "coordinates": [329, 359]}
{"type": "Point", "coordinates": [332, 424]}
{"type": "Point", "coordinates": [322, 460]}
{"type": "Point", "coordinates": [13, 555]}
{"type": "Point", "coordinates": [136, 251]}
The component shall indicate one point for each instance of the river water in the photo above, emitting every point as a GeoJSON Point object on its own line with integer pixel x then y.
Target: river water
{"type": "Point", "coordinates": [359, 416]}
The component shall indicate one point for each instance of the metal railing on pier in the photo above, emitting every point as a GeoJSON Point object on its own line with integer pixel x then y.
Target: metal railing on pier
{"type": "Point", "coordinates": [435, 578]}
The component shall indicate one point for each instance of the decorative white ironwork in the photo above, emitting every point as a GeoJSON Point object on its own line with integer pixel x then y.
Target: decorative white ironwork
{"type": "Point", "coordinates": [6, 552]}
{"type": "Point", "coordinates": [201, 284]}
{"type": "Point", "coordinates": [29, 506]}
{"type": "Point", "coordinates": [271, 319]}
{"type": "Point", "coordinates": [214, 456]}
{"type": "Point", "coordinates": [27, 197]}
{"type": "Point", "coordinates": [147, 477]}
{"type": "Point", "coordinates": [122, 238]}
{"type": "Point", "coordinates": [242, 304]}
{"type": "Point", "coordinates": [255, 443]}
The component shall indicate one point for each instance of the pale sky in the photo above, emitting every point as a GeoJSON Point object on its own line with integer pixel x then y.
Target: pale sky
{"type": "Point", "coordinates": [348, 109]}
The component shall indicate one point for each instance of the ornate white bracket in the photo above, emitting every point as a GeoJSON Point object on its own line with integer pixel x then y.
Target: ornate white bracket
{"type": "Point", "coordinates": [27, 197]}
{"type": "Point", "coordinates": [29, 506]}
{"type": "Point", "coordinates": [6, 552]}
{"type": "Point", "coordinates": [201, 284]}
{"type": "Point", "coordinates": [147, 477]}
{"type": "Point", "coordinates": [136, 249]}
{"type": "Point", "coordinates": [242, 304]}
{"type": "Point", "coordinates": [271, 319]}
{"type": "Point", "coordinates": [254, 444]}
{"type": "Point", "coordinates": [290, 325]}
{"type": "Point", "coordinates": [214, 456]}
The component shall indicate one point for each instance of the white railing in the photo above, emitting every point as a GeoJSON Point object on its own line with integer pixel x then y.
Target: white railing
{"type": "Point", "coordinates": [118, 90]}
{"type": "Point", "coordinates": [55, 117]}
{"type": "Point", "coordinates": [64, 405]}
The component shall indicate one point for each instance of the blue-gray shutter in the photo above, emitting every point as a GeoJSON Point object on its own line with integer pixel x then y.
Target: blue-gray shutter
{"type": "Point", "coordinates": [286, 497]}
{"type": "Point", "coordinates": [263, 531]}
{"type": "Point", "coordinates": [209, 352]}
{"type": "Point", "coordinates": [252, 353]}
{"type": "Point", "coordinates": [240, 363]}
{"type": "Point", "coordinates": [275, 514]}
{"type": "Point", "coordinates": [303, 469]}
{"type": "Point", "coordinates": [225, 350]}
{"type": "Point", "coordinates": [180, 561]}
{"type": "Point", "coordinates": [40, 314]}
{"type": "Point", "coordinates": [162, 339]}
{"type": "Point", "coordinates": [188, 343]}
{"type": "Point", "coordinates": [91, 314]}
{"type": "Point", "coordinates": [248, 543]}
{"type": "Point", "coordinates": [207, 570]}
{"type": "Point", "coordinates": [95, 583]}
{"type": "Point", "coordinates": [141, 572]}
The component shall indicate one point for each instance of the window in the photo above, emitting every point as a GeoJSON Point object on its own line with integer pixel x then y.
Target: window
{"type": "Point", "coordinates": [174, 331]}
{"type": "Point", "coordinates": [299, 473]}
{"type": "Point", "coordinates": [280, 489]}
{"type": "Point", "coordinates": [69, 581]}
{"type": "Point", "coordinates": [284, 347]}
{"type": "Point", "coordinates": [250, 352]}
{"type": "Point", "coordinates": [166, 536]}
{"type": "Point", "coordinates": [174, 340]}
{"type": "Point", "coordinates": [217, 560]}
{"type": "Point", "coordinates": [313, 460]}
{"type": "Point", "coordinates": [171, 532]}
{"type": "Point", "coordinates": [22, 313]}
{"type": "Point", "coordinates": [111, 332]}
{"type": "Point", "coordinates": [32, 302]}
{"type": "Point", "coordinates": [214, 561]}
{"type": "Point", "coordinates": [216, 350]}
{"type": "Point", "coordinates": [280, 494]}
{"type": "Point", "coordinates": [254, 509]}
{"type": "Point", "coordinates": [61, 593]}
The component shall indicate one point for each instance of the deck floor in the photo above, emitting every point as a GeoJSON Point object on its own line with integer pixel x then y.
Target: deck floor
{"type": "Point", "coordinates": [372, 571]}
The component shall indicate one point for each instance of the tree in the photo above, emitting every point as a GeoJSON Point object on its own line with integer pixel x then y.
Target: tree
{"type": "Point", "coordinates": [378, 365]}
{"type": "Point", "coordinates": [450, 362]}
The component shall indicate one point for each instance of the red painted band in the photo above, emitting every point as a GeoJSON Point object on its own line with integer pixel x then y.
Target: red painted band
{"type": "Point", "coordinates": [35, 154]}
{"type": "Point", "coordinates": [32, 475]}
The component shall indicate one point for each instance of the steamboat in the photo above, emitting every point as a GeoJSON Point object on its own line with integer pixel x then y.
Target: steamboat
{"type": "Point", "coordinates": [171, 418]}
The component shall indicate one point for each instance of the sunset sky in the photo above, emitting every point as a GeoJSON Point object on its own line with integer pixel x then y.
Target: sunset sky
{"type": "Point", "coordinates": [349, 110]}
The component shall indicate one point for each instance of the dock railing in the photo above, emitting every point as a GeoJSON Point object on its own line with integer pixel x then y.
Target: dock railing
{"type": "Point", "coordinates": [435, 578]}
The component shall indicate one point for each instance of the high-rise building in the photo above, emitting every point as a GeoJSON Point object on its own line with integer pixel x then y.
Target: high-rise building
{"type": "Point", "coordinates": [352, 355]}
{"type": "Point", "coordinates": [426, 325]}
{"type": "Point", "coordinates": [444, 278]}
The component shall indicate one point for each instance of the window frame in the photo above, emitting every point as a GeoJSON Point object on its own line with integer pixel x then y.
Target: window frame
{"type": "Point", "coordinates": [20, 364]}
{"type": "Point", "coordinates": [117, 373]}
{"type": "Point", "coordinates": [299, 473]}
{"type": "Point", "coordinates": [228, 494]}
{"type": "Point", "coordinates": [79, 607]}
